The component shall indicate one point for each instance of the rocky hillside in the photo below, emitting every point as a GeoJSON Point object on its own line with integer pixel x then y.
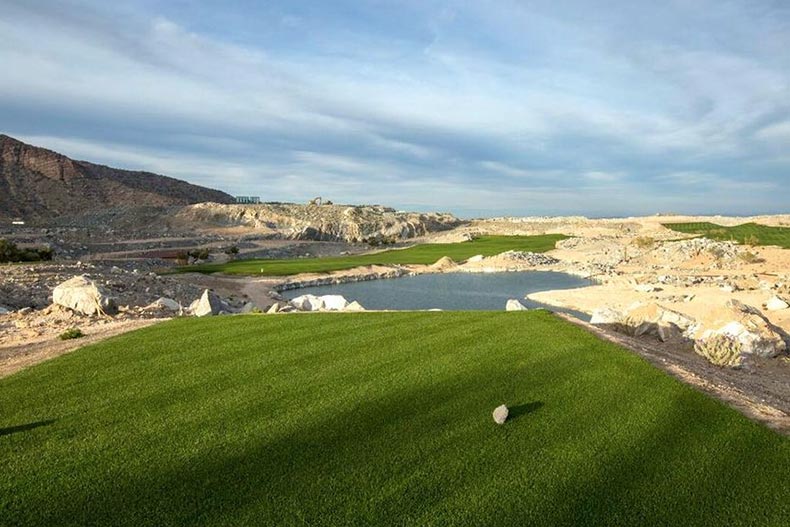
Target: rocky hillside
{"type": "Point", "coordinates": [36, 184]}
{"type": "Point", "coordinates": [364, 223]}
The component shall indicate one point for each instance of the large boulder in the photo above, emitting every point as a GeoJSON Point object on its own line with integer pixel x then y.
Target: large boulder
{"type": "Point", "coordinates": [747, 329]}
{"type": "Point", "coordinates": [82, 295]}
{"type": "Point", "coordinates": [515, 305]}
{"type": "Point", "coordinates": [644, 319]}
{"type": "Point", "coordinates": [307, 303]}
{"type": "Point", "coordinates": [208, 304]}
{"type": "Point", "coordinates": [320, 303]}
{"type": "Point", "coordinates": [334, 302]}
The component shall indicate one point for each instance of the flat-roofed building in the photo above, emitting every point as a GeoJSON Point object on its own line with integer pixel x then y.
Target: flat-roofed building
{"type": "Point", "coordinates": [248, 200]}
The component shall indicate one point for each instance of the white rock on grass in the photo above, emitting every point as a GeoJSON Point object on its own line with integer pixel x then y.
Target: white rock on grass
{"type": "Point", "coordinates": [307, 303]}
{"type": "Point", "coordinates": [320, 303]}
{"type": "Point", "coordinates": [83, 296]}
{"type": "Point", "coordinates": [334, 302]}
{"type": "Point", "coordinates": [515, 305]}
{"type": "Point", "coordinates": [208, 304]}
{"type": "Point", "coordinates": [354, 306]}
{"type": "Point", "coordinates": [776, 304]}
{"type": "Point", "coordinates": [500, 414]}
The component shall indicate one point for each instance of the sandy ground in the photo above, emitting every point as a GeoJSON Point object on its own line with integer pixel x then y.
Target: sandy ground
{"type": "Point", "coordinates": [15, 357]}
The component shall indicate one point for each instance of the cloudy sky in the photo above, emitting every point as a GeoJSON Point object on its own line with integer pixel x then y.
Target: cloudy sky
{"type": "Point", "coordinates": [476, 107]}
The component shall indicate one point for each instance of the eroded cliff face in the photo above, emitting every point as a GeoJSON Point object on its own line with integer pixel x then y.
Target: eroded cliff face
{"type": "Point", "coordinates": [39, 184]}
{"type": "Point", "coordinates": [319, 222]}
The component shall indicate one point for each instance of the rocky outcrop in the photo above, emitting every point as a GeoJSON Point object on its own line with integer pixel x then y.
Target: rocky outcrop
{"type": "Point", "coordinates": [320, 222]}
{"type": "Point", "coordinates": [749, 331]}
{"type": "Point", "coordinates": [36, 183]}
{"type": "Point", "coordinates": [776, 304]}
{"type": "Point", "coordinates": [82, 295]}
{"type": "Point", "coordinates": [644, 319]}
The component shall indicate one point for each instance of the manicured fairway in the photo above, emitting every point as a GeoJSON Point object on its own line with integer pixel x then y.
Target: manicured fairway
{"type": "Point", "coordinates": [751, 233]}
{"type": "Point", "coordinates": [420, 254]}
{"type": "Point", "coordinates": [376, 419]}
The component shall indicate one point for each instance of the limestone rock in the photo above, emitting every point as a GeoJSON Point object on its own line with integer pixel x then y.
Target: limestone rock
{"type": "Point", "coordinates": [475, 258]}
{"type": "Point", "coordinates": [606, 316]}
{"type": "Point", "coordinates": [749, 329]}
{"type": "Point", "coordinates": [83, 296]}
{"type": "Point", "coordinates": [208, 304]}
{"type": "Point", "coordinates": [274, 308]}
{"type": "Point", "coordinates": [354, 306]}
{"type": "Point", "coordinates": [515, 305]}
{"type": "Point", "coordinates": [444, 263]}
{"type": "Point", "coordinates": [776, 304]}
{"type": "Point", "coordinates": [307, 303]}
{"type": "Point", "coordinates": [500, 414]}
{"type": "Point", "coordinates": [334, 302]}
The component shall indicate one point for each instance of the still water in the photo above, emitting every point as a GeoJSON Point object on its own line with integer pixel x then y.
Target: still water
{"type": "Point", "coordinates": [450, 291]}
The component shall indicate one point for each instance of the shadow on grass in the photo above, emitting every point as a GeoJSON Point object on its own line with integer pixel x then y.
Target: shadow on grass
{"type": "Point", "coordinates": [514, 412]}
{"type": "Point", "coordinates": [24, 428]}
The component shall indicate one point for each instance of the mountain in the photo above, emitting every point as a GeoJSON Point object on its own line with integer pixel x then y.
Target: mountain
{"type": "Point", "coordinates": [36, 183]}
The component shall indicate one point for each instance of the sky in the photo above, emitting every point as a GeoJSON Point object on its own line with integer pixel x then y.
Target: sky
{"type": "Point", "coordinates": [480, 108]}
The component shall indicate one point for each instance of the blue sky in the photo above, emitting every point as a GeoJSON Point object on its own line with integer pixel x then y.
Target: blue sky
{"type": "Point", "coordinates": [476, 107]}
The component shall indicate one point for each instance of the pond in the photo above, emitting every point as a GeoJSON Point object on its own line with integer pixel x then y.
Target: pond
{"type": "Point", "coordinates": [451, 291]}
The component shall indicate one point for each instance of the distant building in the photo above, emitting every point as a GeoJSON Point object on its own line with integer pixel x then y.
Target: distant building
{"type": "Point", "coordinates": [248, 200]}
{"type": "Point", "coordinates": [17, 221]}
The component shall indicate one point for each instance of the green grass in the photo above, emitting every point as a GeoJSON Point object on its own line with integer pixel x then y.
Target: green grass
{"type": "Point", "coordinates": [750, 233]}
{"type": "Point", "coordinates": [376, 419]}
{"type": "Point", "coordinates": [419, 254]}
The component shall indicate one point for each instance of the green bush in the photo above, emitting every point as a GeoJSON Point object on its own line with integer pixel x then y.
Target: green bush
{"type": "Point", "coordinates": [71, 333]}
{"type": "Point", "coordinates": [9, 252]}
{"type": "Point", "coordinates": [644, 242]}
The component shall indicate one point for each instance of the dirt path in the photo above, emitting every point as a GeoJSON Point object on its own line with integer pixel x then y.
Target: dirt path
{"type": "Point", "coordinates": [18, 357]}
{"type": "Point", "coordinates": [763, 396]}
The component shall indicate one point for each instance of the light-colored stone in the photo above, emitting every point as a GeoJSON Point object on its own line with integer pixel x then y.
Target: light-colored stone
{"type": "Point", "coordinates": [475, 258]}
{"type": "Point", "coordinates": [776, 304]}
{"type": "Point", "coordinates": [515, 305]}
{"type": "Point", "coordinates": [307, 303]}
{"type": "Point", "coordinates": [334, 302]}
{"type": "Point", "coordinates": [274, 308]}
{"type": "Point", "coordinates": [164, 303]}
{"type": "Point", "coordinates": [208, 304]}
{"type": "Point", "coordinates": [748, 327]}
{"type": "Point", "coordinates": [354, 306]}
{"type": "Point", "coordinates": [500, 414]}
{"type": "Point", "coordinates": [83, 296]}
{"type": "Point", "coordinates": [606, 316]}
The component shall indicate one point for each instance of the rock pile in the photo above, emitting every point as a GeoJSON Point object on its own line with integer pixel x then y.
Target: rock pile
{"type": "Point", "coordinates": [324, 303]}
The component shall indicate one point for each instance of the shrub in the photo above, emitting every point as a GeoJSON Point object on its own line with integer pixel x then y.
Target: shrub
{"type": "Point", "coordinates": [71, 333]}
{"type": "Point", "coordinates": [9, 252]}
{"type": "Point", "coordinates": [644, 242]}
{"type": "Point", "coordinates": [751, 240]}
{"type": "Point", "coordinates": [199, 254]}
{"type": "Point", "coordinates": [232, 251]}
{"type": "Point", "coordinates": [721, 350]}
{"type": "Point", "coordinates": [749, 257]}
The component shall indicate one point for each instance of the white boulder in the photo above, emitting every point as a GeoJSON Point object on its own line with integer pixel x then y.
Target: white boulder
{"type": "Point", "coordinates": [82, 295]}
{"type": "Point", "coordinates": [500, 414]}
{"type": "Point", "coordinates": [307, 303]}
{"type": "Point", "coordinates": [515, 305]}
{"type": "Point", "coordinates": [334, 302]}
{"type": "Point", "coordinates": [776, 304]}
{"type": "Point", "coordinates": [208, 304]}
{"type": "Point", "coordinates": [354, 306]}
{"type": "Point", "coordinates": [606, 316]}
{"type": "Point", "coordinates": [476, 258]}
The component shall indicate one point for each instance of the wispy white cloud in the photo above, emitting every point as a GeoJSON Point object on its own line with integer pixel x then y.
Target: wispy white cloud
{"type": "Point", "coordinates": [388, 103]}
